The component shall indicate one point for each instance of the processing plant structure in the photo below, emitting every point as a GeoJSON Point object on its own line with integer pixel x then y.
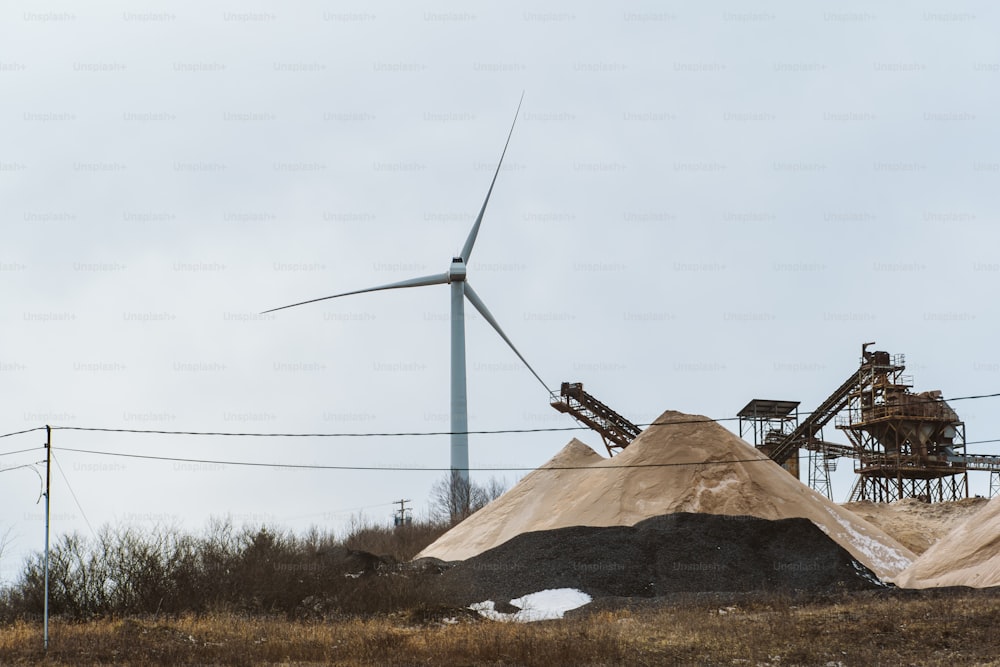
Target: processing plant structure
{"type": "Point", "coordinates": [904, 444]}
{"type": "Point", "coordinates": [908, 445]}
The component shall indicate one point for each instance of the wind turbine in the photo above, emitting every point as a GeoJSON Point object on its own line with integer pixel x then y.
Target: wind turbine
{"type": "Point", "coordinates": [460, 290]}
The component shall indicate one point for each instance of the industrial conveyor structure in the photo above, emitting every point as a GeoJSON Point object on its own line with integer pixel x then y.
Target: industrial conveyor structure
{"type": "Point", "coordinates": [780, 434]}
{"type": "Point", "coordinates": [808, 434]}
{"type": "Point", "coordinates": [615, 430]}
{"type": "Point", "coordinates": [905, 444]}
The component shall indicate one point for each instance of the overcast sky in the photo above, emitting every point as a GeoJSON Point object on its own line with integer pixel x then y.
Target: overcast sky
{"type": "Point", "coordinates": [701, 204]}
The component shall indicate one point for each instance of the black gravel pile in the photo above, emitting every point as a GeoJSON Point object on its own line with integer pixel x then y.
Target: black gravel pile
{"type": "Point", "coordinates": [660, 556]}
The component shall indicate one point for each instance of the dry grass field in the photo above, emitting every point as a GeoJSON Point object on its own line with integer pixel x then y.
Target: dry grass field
{"type": "Point", "coordinates": [265, 597]}
{"type": "Point", "coordinates": [936, 628]}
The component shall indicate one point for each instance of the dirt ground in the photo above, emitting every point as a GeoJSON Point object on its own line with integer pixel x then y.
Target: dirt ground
{"type": "Point", "coordinates": [890, 627]}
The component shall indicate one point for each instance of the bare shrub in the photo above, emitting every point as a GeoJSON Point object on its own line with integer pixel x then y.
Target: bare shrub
{"type": "Point", "coordinates": [401, 543]}
{"type": "Point", "coordinates": [126, 570]}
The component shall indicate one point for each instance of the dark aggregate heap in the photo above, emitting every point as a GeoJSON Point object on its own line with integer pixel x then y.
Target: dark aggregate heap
{"type": "Point", "coordinates": [660, 556]}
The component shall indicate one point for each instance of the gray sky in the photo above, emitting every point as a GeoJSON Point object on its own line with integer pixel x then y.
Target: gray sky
{"type": "Point", "coordinates": [700, 205]}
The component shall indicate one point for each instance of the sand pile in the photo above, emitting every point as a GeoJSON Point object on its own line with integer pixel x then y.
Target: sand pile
{"type": "Point", "coordinates": [967, 556]}
{"type": "Point", "coordinates": [664, 555]}
{"type": "Point", "coordinates": [914, 523]}
{"type": "Point", "coordinates": [685, 464]}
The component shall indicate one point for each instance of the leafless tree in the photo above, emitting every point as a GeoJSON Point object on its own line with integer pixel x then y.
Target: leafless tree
{"type": "Point", "coordinates": [454, 498]}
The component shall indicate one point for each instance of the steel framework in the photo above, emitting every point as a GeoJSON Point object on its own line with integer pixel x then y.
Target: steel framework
{"type": "Point", "coordinates": [616, 431]}
{"type": "Point", "coordinates": [821, 464]}
{"type": "Point", "coordinates": [908, 445]}
{"type": "Point", "coordinates": [771, 422]}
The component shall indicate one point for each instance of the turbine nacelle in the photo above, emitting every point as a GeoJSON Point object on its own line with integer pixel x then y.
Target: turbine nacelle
{"type": "Point", "coordinates": [457, 270]}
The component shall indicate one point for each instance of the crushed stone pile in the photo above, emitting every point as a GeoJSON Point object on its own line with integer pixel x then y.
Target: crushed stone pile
{"type": "Point", "coordinates": [681, 552]}
{"type": "Point", "coordinates": [967, 556]}
{"type": "Point", "coordinates": [914, 523]}
{"type": "Point", "coordinates": [685, 463]}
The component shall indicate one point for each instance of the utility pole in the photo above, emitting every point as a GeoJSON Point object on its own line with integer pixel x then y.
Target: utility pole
{"type": "Point", "coordinates": [48, 499]}
{"type": "Point", "coordinates": [402, 516]}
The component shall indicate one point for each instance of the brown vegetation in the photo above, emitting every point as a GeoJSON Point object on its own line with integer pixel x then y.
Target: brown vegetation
{"type": "Point", "coordinates": [945, 628]}
{"type": "Point", "coordinates": [401, 543]}
{"type": "Point", "coordinates": [262, 570]}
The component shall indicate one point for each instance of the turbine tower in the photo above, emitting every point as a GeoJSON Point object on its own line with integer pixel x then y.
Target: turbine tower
{"type": "Point", "coordinates": [460, 291]}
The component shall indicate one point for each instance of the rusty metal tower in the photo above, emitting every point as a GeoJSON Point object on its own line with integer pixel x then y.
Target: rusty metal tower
{"type": "Point", "coordinates": [771, 423]}
{"type": "Point", "coordinates": [908, 445]}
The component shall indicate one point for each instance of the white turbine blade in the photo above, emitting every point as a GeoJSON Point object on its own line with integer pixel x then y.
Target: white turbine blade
{"type": "Point", "coordinates": [471, 241]}
{"type": "Point", "coordinates": [439, 279]}
{"type": "Point", "coordinates": [485, 312]}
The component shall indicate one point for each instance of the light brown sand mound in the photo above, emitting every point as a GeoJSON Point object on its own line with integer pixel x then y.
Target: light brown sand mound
{"type": "Point", "coordinates": [967, 556]}
{"type": "Point", "coordinates": [914, 523]}
{"type": "Point", "coordinates": [664, 471]}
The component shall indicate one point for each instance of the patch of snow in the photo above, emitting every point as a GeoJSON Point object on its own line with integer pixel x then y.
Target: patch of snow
{"type": "Point", "coordinates": [865, 573]}
{"type": "Point", "coordinates": [882, 554]}
{"type": "Point", "coordinates": [541, 606]}
{"type": "Point", "coordinates": [484, 608]}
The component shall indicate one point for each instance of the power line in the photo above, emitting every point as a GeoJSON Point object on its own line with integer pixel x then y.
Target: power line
{"type": "Point", "coordinates": [396, 434]}
{"type": "Point", "coordinates": [26, 465]}
{"type": "Point", "coordinates": [27, 430]}
{"type": "Point", "coordinates": [234, 434]}
{"type": "Point", "coordinates": [318, 435]}
{"type": "Point", "coordinates": [309, 466]}
{"type": "Point", "coordinates": [982, 442]}
{"type": "Point", "coordinates": [31, 466]}
{"type": "Point", "coordinates": [958, 398]}
{"type": "Point", "coordinates": [73, 493]}
{"type": "Point", "coordinates": [20, 451]}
